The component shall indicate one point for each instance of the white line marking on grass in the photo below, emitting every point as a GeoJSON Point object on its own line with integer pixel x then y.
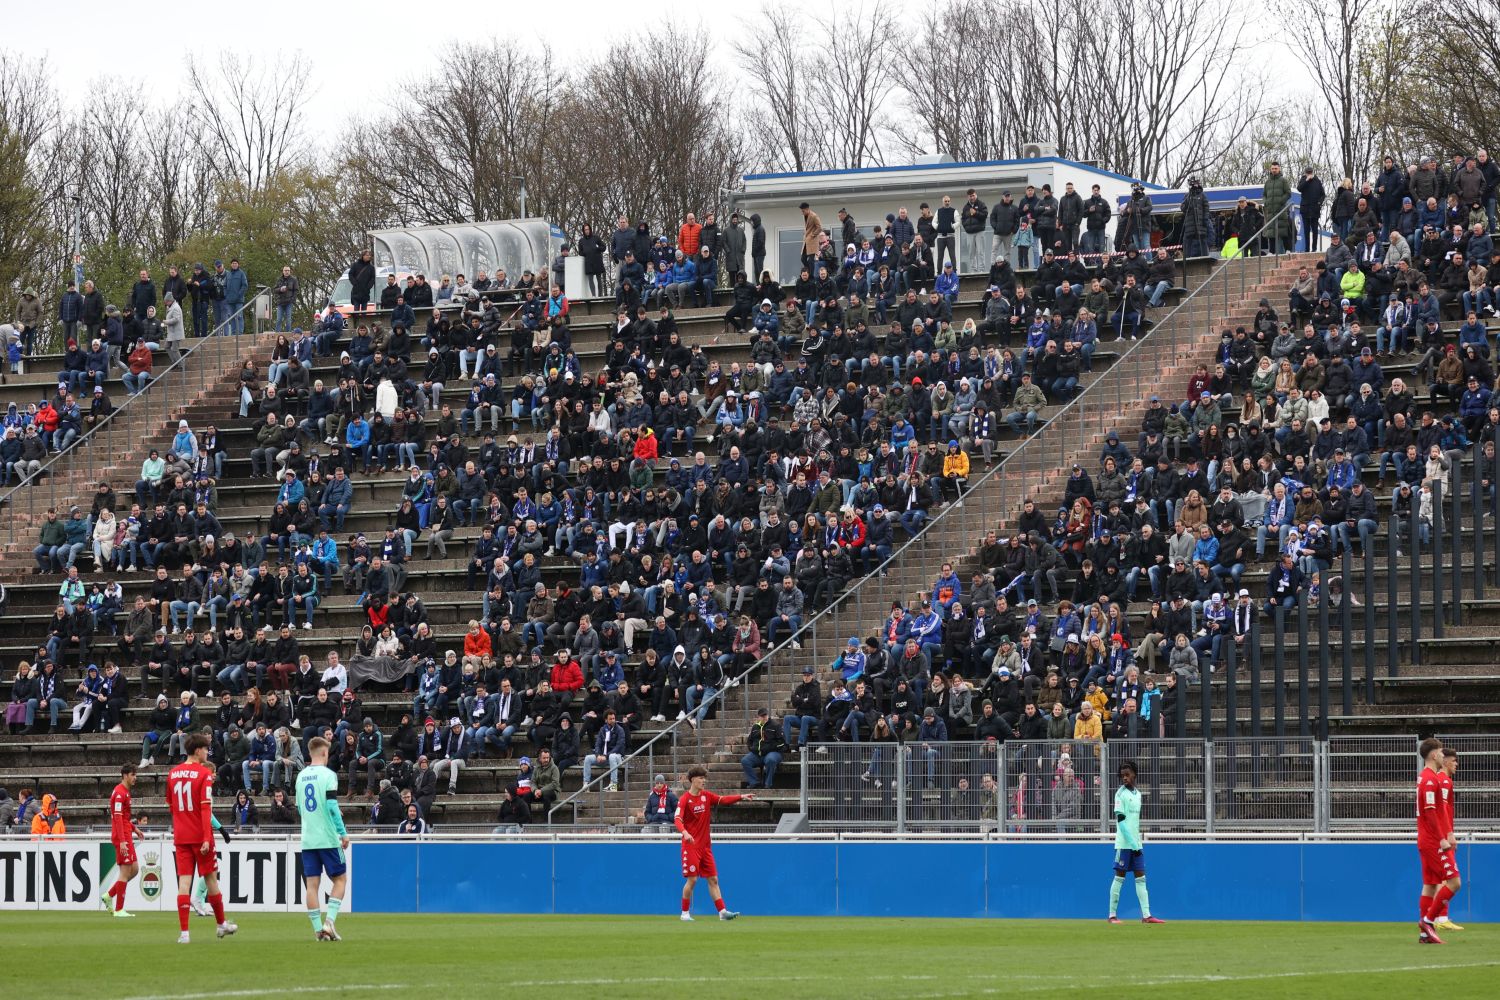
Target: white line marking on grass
{"type": "Point", "coordinates": [535, 983]}
{"type": "Point", "coordinates": [1055, 983]}
{"type": "Point", "coordinates": [276, 992]}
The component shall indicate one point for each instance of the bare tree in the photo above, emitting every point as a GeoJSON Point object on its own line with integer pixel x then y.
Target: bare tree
{"type": "Point", "coordinates": [777, 114]}
{"type": "Point", "coordinates": [852, 81]}
{"type": "Point", "coordinates": [250, 117]}
{"type": "Point", "coordinates": [820, 91]}
{"type": "Point", "coordinates": [1329, 37]}
{"type": "Point", "coordinates": [31, 181]}
{"type": "Point", "coordinates": [454, 145]}
{"type": "Point", "coordinates": [653, 116]}
{"type": "Point", "coordinates": [1440, 100]}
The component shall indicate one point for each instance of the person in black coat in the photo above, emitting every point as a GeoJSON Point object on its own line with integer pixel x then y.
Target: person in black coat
{"type": "Point", "coordinates": [591, 248]}
{"type": "Point", "coordinates": [361, 281]}
{"type": "Point", "coordinates": [1313, 196]}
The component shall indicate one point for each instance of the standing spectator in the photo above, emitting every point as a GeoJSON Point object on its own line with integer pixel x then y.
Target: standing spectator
{"type": "Point", "coordinates": [591, 249]}
{"type": "Point", "coordinates": [70, 311]}
{"type": "Point", "coordinates": [285, 297]}
{"type": "Point", "coordinates": [1096, 215]}
{"type": "Point", "coordinates": [142, 295]}
{"type": "Point", "coordinates": [173, 325]}
{"type": "Point", "coordinates": [361, 281]}
{"type": "Point", "coordinates": [1276, 193]}
{"type": "Point", "coordinates": [1310, 187]}
{"type": "Point", "coordinates": [812, 237]}
{"type": "Point", "coordinates": [236, 287]}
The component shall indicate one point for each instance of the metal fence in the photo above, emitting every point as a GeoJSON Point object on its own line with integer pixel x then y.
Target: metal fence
{"type": "Point", "coordinates": [1187, 786]}
{"type": "Point", "coordinates": [204, 364]}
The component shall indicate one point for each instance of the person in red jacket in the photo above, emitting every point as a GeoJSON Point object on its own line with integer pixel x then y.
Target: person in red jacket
{"type": "Point", "coordinates": [645, 446]}
{"type": "Point", "coordinates": [567, 675]}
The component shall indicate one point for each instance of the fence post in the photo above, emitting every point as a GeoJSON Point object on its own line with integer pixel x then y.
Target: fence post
{"type": "Point", "coordinates": [1104, 796]}
{"type": "Point", "coordinates": [803, 796]}
{"type": "Point", "coordinates": [1231, 720]}
{"type": "Point", "coordinates": [1255, 706]}
{"type": "Point", "coordinates": [1476, 514]}
{"type": "Point", "coordinates": [1323, 659]}
{"type": "Point", "coordinates": [1206, 701]}
{"type": "Point", "coordinates": [1279, 670]}
{"type": "Point", "coordinates": [1415, 540]}
{"type": "Point", "coordinates": [1208, 784]}
{"type": "Point", "coordinates": [1495, 509]}
{"type": "Point", "coordinates": [1439, 526]}
{"type": "Point", "coordinates": [1304, 724]}
{"type": "Point", "coordinates": [1002, 784]}
{"type": "Point", "coordinates": [1456, 550]}
{"type": "Point", "coordinates": [1369, 557]}
{"type": "Point", "coordinates": [1322, 788]}
{"type": "Point", "coordinates": [1346, 627]}
{"type": "Point", "coordinates": [901, 790]}
{"type": "Point", "coordinates": [1392, 572]}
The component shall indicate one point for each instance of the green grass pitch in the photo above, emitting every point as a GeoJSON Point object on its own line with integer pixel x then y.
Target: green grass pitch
{"type": "Point", "coordinates": [92, 955]}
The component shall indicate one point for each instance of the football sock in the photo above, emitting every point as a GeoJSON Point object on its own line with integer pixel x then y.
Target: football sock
{"type": "Point", "coordinates": [217, 902]}
{"type": "Point", "coordinates": [1114, 894]}
{"type": "Point", "coordinates": [334, 905]}
{"type": "Point", "coordinates": [118, 891]}
{"type": "Point", "coordinates": [316, 916]}
{"type": "Point", "coordinates": [1439, 904]}
{"type": "Point", "coordinates": [184, 910]}
{"type": "Point", "coordinates": [719, 904]}
{"type": "Point", "coordinates": [687, 903]}
{"type": "Point", "coordinates": [1424, 906]}
{"type": "Point", "coordinates": [1439, 910]}
{"type": "Point", "coordinates": [1142, 897]}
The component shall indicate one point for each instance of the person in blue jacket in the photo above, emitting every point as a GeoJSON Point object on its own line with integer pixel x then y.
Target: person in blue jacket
{"type": "Point", "coordinates": [236, 287]}
{"type": "Point", "coordinates": [684, 275]}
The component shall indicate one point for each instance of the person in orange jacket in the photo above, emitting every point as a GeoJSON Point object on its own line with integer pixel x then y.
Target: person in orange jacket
{"type": "Point", "coordinates": [48, 824]}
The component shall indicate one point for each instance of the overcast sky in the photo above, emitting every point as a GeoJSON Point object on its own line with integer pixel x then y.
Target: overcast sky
{"type": "Point", "coordinates": [353, 57]}
{"type": "Point", "coordinates": [358, 62]}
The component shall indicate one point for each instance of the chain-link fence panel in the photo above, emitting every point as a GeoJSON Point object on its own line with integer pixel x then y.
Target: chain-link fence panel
{"type": "Point", "coordinates": [1372, 782]}
{"type": "Point", "coordinates": [1266, 784]}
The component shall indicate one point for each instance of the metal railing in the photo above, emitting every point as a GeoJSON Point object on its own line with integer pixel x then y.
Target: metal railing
{"type": "Point", "coordinates": [203, 363]}
{"type": "Point", "coordinates": [990, 498]}
{"type": "Point", "coordinates": [1060, 787]}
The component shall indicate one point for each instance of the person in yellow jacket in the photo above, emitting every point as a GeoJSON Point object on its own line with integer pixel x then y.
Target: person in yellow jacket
{"type": "Point", "coordinates": [1088, 725]}
{"type": "Point", "coordinates": [955, 471]}
{"type": "Point", "coordinates": [48, 824]}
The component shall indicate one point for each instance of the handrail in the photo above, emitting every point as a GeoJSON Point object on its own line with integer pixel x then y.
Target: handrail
{"type": "Point", "coordinates": [175, 371]}
{"type": "Point", "coordinates": [1005, 470]}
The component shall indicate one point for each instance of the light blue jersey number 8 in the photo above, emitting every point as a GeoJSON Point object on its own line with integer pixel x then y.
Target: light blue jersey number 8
{"type": "Point", "coordinates": [310, 797]}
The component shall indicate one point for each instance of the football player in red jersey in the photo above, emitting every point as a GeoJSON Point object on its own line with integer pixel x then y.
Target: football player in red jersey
{"type": "Point", "coordinates": [1439, 911]}
{"type": "Point", "coordinates": [122, 834]}
{"type": "Point", "coordinates": [190, 799]}
{"type": "Point", "coordinates": [694, 820]}
{"type": "Point", "coordinates": [1439, 877]}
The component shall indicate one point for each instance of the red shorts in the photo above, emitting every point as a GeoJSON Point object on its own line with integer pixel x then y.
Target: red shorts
{"type": "Point", "coordinates": [190, 861]}
{"type": "Point", "coordinates": [124, 851]}
{"type": "Point", "coordinates": [698, 861]}
{"type": "Point", "coordinates": [1437, 866]}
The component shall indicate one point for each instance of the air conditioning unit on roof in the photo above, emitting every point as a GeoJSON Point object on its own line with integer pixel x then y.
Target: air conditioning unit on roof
{"type": "Point", "coordinates": [1038, 150]}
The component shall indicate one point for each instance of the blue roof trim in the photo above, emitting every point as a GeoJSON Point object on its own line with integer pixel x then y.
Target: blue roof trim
{"type": "Point", "coordinates": [948, 166]}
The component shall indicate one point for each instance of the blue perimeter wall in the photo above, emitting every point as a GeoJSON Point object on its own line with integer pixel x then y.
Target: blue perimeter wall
{"type": "Point", "coordinates": [1191, 881]}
